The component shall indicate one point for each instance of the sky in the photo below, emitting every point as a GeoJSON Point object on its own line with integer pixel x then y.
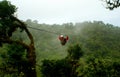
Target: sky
{"type": "Point", "coordinates": [65, 11]}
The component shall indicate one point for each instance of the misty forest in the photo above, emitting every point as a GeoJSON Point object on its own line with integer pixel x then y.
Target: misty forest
{"type": "Point", "coordinates": [31, 49]}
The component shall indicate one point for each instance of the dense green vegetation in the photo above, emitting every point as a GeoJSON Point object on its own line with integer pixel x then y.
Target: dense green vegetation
{"type": "Point", "coordinates": [96, 38]}
{"type": "Point", "coordinates": [93, 48]}
{"type": "Point", "coordinates": [65, 67]}
{"type": "Point", "coordinates": [9, 24]}
{"type": "Point", "coordinates": [99, 42]}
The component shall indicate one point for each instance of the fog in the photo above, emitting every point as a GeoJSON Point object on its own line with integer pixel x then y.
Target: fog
{"type": "Point", "coordinates": [63, 11]}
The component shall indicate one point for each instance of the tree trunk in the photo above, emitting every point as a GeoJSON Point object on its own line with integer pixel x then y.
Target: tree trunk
{"type": "Point", "coordinates": [31, 71]}
{"type": "Point", "coordinates": [31, 67]}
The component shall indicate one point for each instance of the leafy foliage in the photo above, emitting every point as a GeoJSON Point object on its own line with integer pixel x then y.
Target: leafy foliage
{"type": "Point", "coordinates": [111, 4]}
{"type": "Point", "coordinates": [96, 38]}
{"type": "Point", "coordinates": [14, 58]}
{"type": "Point", "coordinates": [62, 68]}
{"type": "Point", "coordinates": [74, 52]}
{"type": "Point", "coordinates": [59, 68]}
{"type": "Point", "coordinates": [98, 41]}
{"type": "Point", "coordinates": [6, 9]}
{"type": "Point", "coordinates": [98, 67]}
{"type": "Point", "coordinates": [8, 25]}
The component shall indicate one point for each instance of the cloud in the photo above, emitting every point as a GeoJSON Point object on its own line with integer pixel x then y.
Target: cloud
{"type": "Point", "coordinates": [61, 11]}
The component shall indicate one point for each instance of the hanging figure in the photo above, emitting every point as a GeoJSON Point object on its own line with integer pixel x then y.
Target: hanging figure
{"type": "Point", "coordinates": [63, 39]}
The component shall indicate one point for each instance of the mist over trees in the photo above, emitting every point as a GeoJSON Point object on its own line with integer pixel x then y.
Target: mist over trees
{"type": "Point", "coordinates": [31, 49]}
{"type": "Point", "coordinates": [99, 42]}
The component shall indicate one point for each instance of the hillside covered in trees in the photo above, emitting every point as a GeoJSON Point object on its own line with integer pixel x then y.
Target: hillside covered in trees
{"type": "Point", "coordinates": [98, 41]}
{"type": "Point", "coordinates": [96, 38]}
{"type": "Point", "coordinates": [31, 49]}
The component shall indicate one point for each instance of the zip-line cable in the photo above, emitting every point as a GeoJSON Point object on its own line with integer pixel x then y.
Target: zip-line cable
{"type": "Point", "coordinates": [44, 30]}
{"type": "Point", "coordinates": [61, 37]}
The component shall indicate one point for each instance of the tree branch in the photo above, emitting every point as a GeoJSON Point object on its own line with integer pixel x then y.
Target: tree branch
{"type": "Point", "coordinates": [23, 25]}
